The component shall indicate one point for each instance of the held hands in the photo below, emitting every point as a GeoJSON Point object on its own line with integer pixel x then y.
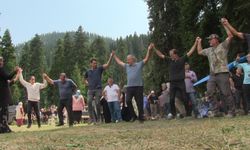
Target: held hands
{"type": "Point", "coordinates": [224, 21]}
{"type": "Point", "coordinates": [198, 40]}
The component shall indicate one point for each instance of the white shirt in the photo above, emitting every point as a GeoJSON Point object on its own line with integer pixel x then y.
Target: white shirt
{"type": "Point", "coordinates": [111, 93]}
{"type": "Point", "coordinates": [33, 90]}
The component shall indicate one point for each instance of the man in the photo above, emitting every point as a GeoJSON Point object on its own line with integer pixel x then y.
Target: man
{"type": "Point", "coordinates": [244, 36]}
{"type": "Point", "coordinates": [176, 69]}
{"type": "Point", "coordinates": [134, 82]}
{"type": "Point", "coordinates": [219, 73]}
{"type": "Point", "coordinates": [33, 91]}
{"type": "Point", "coordinates": [190, 78]}
{"type": "Point", "coordinates": [66, 89]}
{"type": "Point", "coordinates": [112, 94]}
{"type": "Point", "coordinates": [153, 100]}
{"type": "Point", "coordinates": [93, 79]}
{"type": "Point", "coordinates": [5, 96]}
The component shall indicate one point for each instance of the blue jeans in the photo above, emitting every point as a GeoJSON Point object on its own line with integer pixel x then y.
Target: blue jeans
{"type": "Point", "coordinates": [115, 111]}
{"type": "Point", "coordinates": [191, 96]}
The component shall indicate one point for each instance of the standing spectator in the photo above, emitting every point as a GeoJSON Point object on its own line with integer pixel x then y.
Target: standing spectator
{"type": "Point", "coordinates": [19, 114]}
{"type": "Point", "coordinates": [246, 82]}
{"type": "Point", "coordinates": [5, 96]}
{"type": "Point", "coordinates": [176, 75]}
{"type": "Point", "coordinates": [77, 106]}
{"type": "Point", "coordinates": [93, 80]}
{"type": "Point", "coordinates": [134, 82]}
{"type": "Point", "coordinates": [238, 79]}
{"type": "Point", "coordinates": [125, 113]}
{"type": "Point", "coordinates": [66, 89]}
{"type": "Point", "coordinates": [112, 94]}
{"type": "Point", "coordinates": [33, 91]}
{"type": "Point", "coordinates": [219, 73]}
{"type": "Point", "coordinates": [190, 79]}
{"type": "Point", "coordinates": [153, 101]}
{"type": "Point", "coordinates": [164, 99]}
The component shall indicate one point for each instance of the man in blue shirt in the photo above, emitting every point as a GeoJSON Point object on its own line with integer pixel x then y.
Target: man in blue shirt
{"type": "Point", "coordinates": [93, 80]}
{"type": "Point", "coordinates": [134, 82]}
{"type": "Point", "coordinates": [66, 89]}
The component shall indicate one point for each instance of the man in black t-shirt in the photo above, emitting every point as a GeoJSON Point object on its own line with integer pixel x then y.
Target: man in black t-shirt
{"type": "Point", "coordinates": [176, 68]}
{"type": "Point", "coordinates": [241, 35]}
{"type": "Point", "coordinates": [93, 80]}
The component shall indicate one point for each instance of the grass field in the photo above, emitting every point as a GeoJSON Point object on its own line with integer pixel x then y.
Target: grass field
{"type": "Point", "coordinates": [188, 133]}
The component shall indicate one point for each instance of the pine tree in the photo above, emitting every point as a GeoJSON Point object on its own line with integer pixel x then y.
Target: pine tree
{"type": "Point", "coordinates": [69, 60]}
{"type": "Point", "coordinates": [98, 49]}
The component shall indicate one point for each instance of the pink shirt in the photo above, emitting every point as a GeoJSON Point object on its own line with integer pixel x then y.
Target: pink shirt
{"type": "Point", "coordinates": [77, 103]}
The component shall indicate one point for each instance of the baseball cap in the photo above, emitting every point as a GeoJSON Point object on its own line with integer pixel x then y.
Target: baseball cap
{"type": "Point", "coordinates": [212, 36]}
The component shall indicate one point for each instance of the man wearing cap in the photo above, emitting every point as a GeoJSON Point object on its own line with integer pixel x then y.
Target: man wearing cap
{"type": "Point", "coordinates": [241, 35]}
{"type": "Point", "coordinates": [5, 96]}
{"type": "Point", "coordinates": [219, 73]}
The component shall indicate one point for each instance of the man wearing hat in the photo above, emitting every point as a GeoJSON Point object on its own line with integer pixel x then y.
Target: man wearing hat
{"type": "Point", "coordinates": [219, 73]}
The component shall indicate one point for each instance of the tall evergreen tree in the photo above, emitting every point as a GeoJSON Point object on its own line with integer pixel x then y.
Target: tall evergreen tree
{"type": "Point", "coordinates": [69, 60]}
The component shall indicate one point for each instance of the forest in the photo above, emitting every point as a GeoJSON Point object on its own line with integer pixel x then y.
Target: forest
{"type": "Point", "coordinates": [172, 24]}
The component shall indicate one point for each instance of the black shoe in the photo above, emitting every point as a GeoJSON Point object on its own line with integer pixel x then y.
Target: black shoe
{"type": "Point", "coordinates": [133, 119]}
{"type": "Point", "coordinates": [29, 125]}
{"type": "Point", "coordinates": [39, 126]}
{"type": "Point", "coordinates": [60, 124]}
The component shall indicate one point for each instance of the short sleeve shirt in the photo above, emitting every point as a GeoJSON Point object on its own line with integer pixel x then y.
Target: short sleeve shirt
{"type": "Point", "coordinates": [66, 89]}
{"type": "Point", "coordinates": [246, 69]}
{"type": "Point", "coordinates": [94, 78]}
{"type": "Point", "coordinates": [177, 68]}
{"type": "Point", "coordinates": [217, 57]}
{"type": "Point", "coordinates": [134, 74]}
{"type": "Point", "coordinates": [112, 93]}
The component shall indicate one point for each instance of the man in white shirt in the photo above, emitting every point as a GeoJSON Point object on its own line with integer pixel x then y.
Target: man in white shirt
{"type": "Point", "coordinates": [112, 94]}
{"type": "Point", "coordinates": [33, 91]}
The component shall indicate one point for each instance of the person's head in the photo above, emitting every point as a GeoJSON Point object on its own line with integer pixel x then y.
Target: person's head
{"type": "Point", "coordinates": [110, 81]}
{"type": "Point", "coordinates": [78, 92]}
{"type": "Point", "coordinates": [163, 86]}
{"type": "Point", "coordinates": [131, 59]}
{"type": "Point", "coordinates": [32, 79]}
{"type": "Point", "coordinates": [63, 77]}
{"type": "Point", "coordinates": [20, 104]}
{"type": "Point", "coordinates": [248, 57]}
{"type": "Point", "coordinates": [238, 70]}
{"type": "Point", "coordinates": [187, 66]}
{"type": "Point", "coordinates": [93, 63]}
{"type": "Point", "coordinates": [152, 92]}
{"type": "Point", "coordinates": [213, 40]}
{"type": "Point", "coordinates": [173, 53]}
{"type": "Point", "coordinates": [1, 61]}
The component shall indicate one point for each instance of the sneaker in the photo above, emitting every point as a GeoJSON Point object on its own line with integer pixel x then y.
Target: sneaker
{"type": "Point", "coordinates": [170, 116]}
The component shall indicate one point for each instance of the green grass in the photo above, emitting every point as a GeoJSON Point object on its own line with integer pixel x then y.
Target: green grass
{"type": "Point", "coordinates": [188, 133]}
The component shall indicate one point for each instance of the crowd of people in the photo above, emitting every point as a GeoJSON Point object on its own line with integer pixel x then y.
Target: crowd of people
{"type": "Point", "coordinates": [226, 92]}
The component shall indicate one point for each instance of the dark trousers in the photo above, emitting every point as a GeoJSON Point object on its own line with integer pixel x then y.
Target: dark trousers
{"type": "Point", "coordinates": [246, 99]}
{"type": "Point", "coordinates": [4, 128]}
{"type": "Point", "coordinates": [177, 88]}
{"type": "Point", "coordinates": [35, 106]}
{"type": "Point", "coordinates": [67, 103]}
{"type": "Point", "coordinates": [137, 93]}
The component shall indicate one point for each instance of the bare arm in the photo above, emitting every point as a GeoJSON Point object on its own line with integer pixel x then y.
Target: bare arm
{"type": "Point", "coordinates": [159, 53]}
{"type": "Point", "coordinates": [48, 79]}
{"type": "Point", "coordinates": [22, 81]}
{"type": "Point", "coordinates": [232, 29]}
{"type": "Point", "coordinates": [191, 51]}
{"type": "Point", "coordinates": [229, 33]}
{"type": "Point", "coordinates": [149, 52]}
{"type": "Point", "coordinates": [199, 46]}
{"type": "Point", "coordinates": [105, 66]}
{"type": "Point", "coordinates": [118, 61]}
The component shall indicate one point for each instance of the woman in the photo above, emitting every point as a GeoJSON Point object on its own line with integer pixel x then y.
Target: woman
{"type": "Point", "coordinates": [77, 106]}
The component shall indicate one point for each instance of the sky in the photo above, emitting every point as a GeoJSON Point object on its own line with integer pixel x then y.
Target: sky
{"type": "Point", "coordinates": [110, 18]}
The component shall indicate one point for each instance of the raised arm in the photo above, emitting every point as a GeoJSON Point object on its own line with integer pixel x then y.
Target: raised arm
{"type": "Point", "coordinates": [191, 51]}
{"type": "Point", "coordinates": [118, 61]}
{"type": "Point", "coordinates": [232, 29]}
{"type": "Point", "coordinates": [105, 66]}
{"type": "Point", "coordinates": [48, 79]}
{"type": "Point", "coordinates": [22, 81]}
{"type": "Point", "coordinates": [199, 46]}
{"type": "Point", "coordinates": [149, 52]}
{"type": "Point", "coordinates": [45, 83]}
{"type": "Point", "coordinates": [229, 33]}
{"type": "Point", "coordinates": [159, 53]}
